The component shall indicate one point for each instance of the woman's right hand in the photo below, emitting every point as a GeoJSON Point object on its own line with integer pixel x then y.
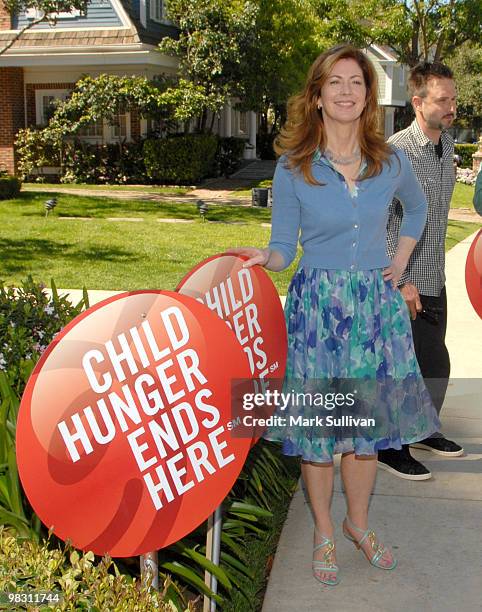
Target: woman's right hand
{"type": "Point", "coordinates": [256, 256]}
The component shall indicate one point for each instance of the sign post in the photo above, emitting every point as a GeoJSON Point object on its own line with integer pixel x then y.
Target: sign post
{"type": "Point", "coordinates": [150, 570]}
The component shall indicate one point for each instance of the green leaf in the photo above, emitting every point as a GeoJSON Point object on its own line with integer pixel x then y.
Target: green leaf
{"type": "Point", "coordinates": [250, 509]}
{"type": "Point", "coordinates": [205, 563]}
{"type": "Point", "coordinates": [232, 561]}
{"type": "Point", "coordinates": [191, 577]}
{"type": "Point", "coordinates": [15, 493]}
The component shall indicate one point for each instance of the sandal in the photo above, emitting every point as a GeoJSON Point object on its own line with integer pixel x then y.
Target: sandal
{"type": "Point", "coordinates": [327, 564]}
{"type": "Point", "coordinates": [378, 549]}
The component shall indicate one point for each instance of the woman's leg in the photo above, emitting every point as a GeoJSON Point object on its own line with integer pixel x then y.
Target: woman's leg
{"type": "Point", "coordinates": [358, 475]}
{"type": "Point", "coordinates": [318, 479]}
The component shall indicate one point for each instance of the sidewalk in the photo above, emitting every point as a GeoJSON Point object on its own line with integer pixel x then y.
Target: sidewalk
{"type": "Point", "coordinates": [434, 526]}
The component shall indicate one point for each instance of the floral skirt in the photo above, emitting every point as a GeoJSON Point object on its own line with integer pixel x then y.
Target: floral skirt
{"type": "Point", "coordinates": [349, 332]}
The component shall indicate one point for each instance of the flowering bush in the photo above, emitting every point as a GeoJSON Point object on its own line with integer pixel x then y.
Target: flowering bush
{"type": "Point", "coordinates": [29, 320]}
{"type": "Point", "coordinates": [466, 176]}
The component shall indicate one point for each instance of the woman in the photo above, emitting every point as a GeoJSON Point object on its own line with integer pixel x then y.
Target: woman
{"type": "Point", "coordinates": [346, 319]}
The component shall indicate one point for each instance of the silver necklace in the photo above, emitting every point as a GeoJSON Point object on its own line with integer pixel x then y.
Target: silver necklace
{"type": "Point", "coordinates": [341, 160]}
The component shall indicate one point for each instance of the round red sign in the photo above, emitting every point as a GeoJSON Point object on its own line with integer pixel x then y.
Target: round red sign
{"type": "Point", "coordinates": [473, 274]}
{"type": "Point", "coordinates": [247, 300]}
{"type": "Point", "coordinates": [123, 435]}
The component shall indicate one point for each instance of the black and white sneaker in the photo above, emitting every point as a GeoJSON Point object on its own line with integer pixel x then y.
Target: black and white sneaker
{"type": "Point", "coordinates": [440, 446]}
{"type": "Point", "coordinates": [400, 463]}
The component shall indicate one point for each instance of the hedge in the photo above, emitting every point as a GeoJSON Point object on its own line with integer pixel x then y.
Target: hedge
{"type": "Point", "coordinates": [184, 159]}
{"type": "Point", "coordinates": [465, 151]}
{"type": "Point", "coordinates": [9, 186]}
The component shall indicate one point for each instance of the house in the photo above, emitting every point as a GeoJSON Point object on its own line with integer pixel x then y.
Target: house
{"type": "Point", "coordinates": [392, 85]}
{"type": "Point", "coordinates": [114, 37]}
{"type": "Point", "coordinates": [118, 37]}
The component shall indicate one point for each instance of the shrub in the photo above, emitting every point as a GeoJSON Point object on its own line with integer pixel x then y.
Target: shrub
{"type": "Point", "coordinates": [29, 320]}
{"type": "Point", "coordinates": [9, 186]}
{"type": "Point", "coordinates": [82, 583]}
{"type": "Point", "coordinates": [465, 151]}
{"type": "Point", "coordinates": [229, 154]}
{"type": "Point", "coordinates": [36, 149]}
{"type": "Point", "coordinates": [79, 161]}
{"type": "Point", "coordinates": [182, 159]}
{"type": "Point", "coordinates": [113, 163]}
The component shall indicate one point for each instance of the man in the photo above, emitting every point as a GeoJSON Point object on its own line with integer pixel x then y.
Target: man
{"type": "Point", "coordinates": [430, 150]}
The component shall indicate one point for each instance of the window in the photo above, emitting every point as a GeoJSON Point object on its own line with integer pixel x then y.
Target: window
{"type": "Point", "coordinates": [46, 101]}
{"type": "Point", "coordinates": [93, 130]}
{"type": "Point", "coordinates": [157, 11]}
{"type": "Point", "coordinates": [101, 131]}
{"type": "Point", "coordinates": [118, 129]}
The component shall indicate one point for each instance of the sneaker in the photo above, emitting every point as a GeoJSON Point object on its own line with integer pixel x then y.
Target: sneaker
{"type": "Point", "coordinates": [400, 463]}
{"type": "Point", "coordinates": [440, 446]}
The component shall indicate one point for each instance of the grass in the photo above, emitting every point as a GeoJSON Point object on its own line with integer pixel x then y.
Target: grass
{"type": "Point", "coordinates": [125, 255]}
{"type": "Point", "coordinates": [463, 196]}
{"type": "Point", "coordinates": [247, 192]}
{"type": "Point", "coordinates": [157, 189]}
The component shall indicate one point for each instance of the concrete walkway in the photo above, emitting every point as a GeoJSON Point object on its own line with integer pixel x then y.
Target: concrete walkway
{"type": "Point", "coordinates": [434, 526]}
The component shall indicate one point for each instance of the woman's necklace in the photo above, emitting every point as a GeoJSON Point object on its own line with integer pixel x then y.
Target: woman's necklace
{"type": "Point", "coordinates": [341, 160]}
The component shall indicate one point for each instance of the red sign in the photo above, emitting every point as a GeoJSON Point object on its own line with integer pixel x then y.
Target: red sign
{"type": "Point", "coordinates": [123, 435]}
{"type": "Point", "coordinates": [247, 300]}
{"type": "Point", "coordinates": [473, 274]}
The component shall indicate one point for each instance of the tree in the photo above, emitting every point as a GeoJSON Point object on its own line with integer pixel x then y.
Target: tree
{"type": "Point", "coordinates": [423, 30]}
{"type": "Point", "coordinates": [466, 64]}
{"type": "Point", "coordinates": [286, 41]}
{"type": "Point", "coordinates": [213, 35]}
{"type": "Point", "coordinates": [103, 97]}
{"type": "Point", "coordinates": [415, 29]}
{"type": "Point", "coordinates": [47, 10]}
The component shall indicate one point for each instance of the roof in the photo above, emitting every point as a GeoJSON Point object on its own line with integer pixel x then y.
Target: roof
{"type": "Point", "coordinates": [81, 38]}
{"type": "Point", "coordinates": [88, 36]}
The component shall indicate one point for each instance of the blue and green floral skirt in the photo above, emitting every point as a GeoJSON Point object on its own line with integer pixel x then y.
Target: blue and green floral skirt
{"type": "Point", "coordinates": [349, 332]}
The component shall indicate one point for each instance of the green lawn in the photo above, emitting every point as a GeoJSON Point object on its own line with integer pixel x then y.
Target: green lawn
{"type": "Point", "coordinates": [157, 189]}
{"type": "Point", "coordinates": [124, 255]}
{"type": "Point", "coordinates": [462, 197]}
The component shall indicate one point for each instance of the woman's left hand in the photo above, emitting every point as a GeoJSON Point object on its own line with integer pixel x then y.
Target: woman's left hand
{"type": "Point", "coordinates": [394, 271]}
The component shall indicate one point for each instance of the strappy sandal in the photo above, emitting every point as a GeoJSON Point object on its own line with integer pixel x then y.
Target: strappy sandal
{"type": "Point", "coordinates": [327, 565]}
{"type": "Point", "coordinates": [378, 549]}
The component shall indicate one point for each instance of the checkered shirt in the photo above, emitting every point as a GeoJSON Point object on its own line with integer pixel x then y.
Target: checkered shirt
{"type": "Point", "coordinates": [426, 267]}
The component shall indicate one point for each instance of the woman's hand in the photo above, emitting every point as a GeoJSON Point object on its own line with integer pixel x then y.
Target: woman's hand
{"type": "Point", "coordinates": [256, 256]}
{"type": "Point", "coordinates": [394, 271]}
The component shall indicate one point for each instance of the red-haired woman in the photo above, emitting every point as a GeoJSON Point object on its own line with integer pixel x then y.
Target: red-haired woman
{"type": "Point", "coordinates": [346, 319]}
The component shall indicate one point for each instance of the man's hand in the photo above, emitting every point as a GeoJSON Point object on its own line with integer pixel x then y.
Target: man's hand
{"type": "Point", "coordinates": [412, 298]}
